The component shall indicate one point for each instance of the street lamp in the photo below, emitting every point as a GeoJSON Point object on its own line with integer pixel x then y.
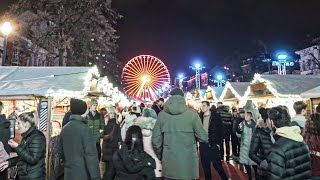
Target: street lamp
{"type": "Point", "coordinates": [145, 80]}
{"type": "Point", "coordinates": [180, 78]}
{"type": "Point", "coordinates": [219, 80]}
{"type": "Point", "coordinates": [6, 29]}
{"type": "Point", "coordinates": [282, 58]}
{"type": "Point", "coordinates": [198, 68]}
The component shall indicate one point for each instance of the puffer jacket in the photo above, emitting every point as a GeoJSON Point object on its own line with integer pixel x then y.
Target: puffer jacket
{"type": "Point", "coordinates": [147, 124]}
{"type": "Point", "coordinates": [261, 143]}
{"type": "Point", "coordinates": [31, 157]}
{"type": "Point", "coordinates": [246, 135]}
{"type": "Point", "coordinates": [225, 116]}
{"type": "Point", "coordinates": [289, 156]}
{"type": "Point", "coordinates": [133, 165]}
{"type": "Point", "coordinates": [96, 125]}
{"type": "Point", "coordinates": [5, 132]}
{"type": "Point", "coordinates": [111, 139]}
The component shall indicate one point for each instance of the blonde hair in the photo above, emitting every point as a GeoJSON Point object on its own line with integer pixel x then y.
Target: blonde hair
{"type": "Point", "coordinates": [30, 117]}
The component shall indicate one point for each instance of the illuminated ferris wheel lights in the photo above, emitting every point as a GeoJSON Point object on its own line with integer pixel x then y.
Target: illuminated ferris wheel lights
{"type": "Point", "coordinates": [145, 79]}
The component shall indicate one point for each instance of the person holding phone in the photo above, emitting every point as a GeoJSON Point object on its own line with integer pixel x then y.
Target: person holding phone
{"type": "Point", "coordinates": [30, 162]}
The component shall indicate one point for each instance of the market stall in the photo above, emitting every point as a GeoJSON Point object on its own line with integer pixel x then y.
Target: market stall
{"type": "Point", "coordinates": [233, 93]}
{"type": "Point", "coordinates": [274, 90]}
{"type": "Point", "coordinates": [48, 90]}
{"type": "Point", "coordinates": [314, 96]}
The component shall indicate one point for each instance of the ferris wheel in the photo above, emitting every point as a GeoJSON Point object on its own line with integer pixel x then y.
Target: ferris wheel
{"type": "Point", "coordinates": [145, 77]}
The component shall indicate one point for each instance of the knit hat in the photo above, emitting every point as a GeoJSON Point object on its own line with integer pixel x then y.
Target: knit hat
{"type": "Point", "coordinates": [93, 102]}
{"type": "Point", "coordinates": [78, 106]}
{"type": "Point", "coordinates": [148, 112]}
{"type": "Point", "coordinates": [242, 111]}
{"type": "Point", "coordinates": [176, 91]}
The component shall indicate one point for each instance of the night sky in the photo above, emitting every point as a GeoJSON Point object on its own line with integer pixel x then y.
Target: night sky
{"type": "Point", "coordinates": [182, 31]}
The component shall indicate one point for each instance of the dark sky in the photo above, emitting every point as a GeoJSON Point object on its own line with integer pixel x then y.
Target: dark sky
{"type": "Point", "coordinates": [180, 31]}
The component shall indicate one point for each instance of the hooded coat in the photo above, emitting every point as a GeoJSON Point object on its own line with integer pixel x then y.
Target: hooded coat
{"type": "Point", "coordinates": [110, 144]}
{"type": "Point", "coordinates": [147, 124]}
{"type": "Point", "coordinates": [245, 133]}
{"type": "Point", "coordinates": [78, 150]}
{"type": "Point", "coordinates": [175, 137]}
{"type": "Point", "coordinates": [289, 156]}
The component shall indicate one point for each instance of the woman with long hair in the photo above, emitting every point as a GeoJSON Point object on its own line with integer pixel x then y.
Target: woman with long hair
{"type": "Point", "coordinates": [131, 161]}
{"type": "Point", "coordinates": [30, 162]}
{"type": "Point", "coordinates": [312, 138]}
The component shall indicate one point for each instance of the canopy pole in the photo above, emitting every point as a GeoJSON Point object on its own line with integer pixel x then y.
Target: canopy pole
{"type": "Point", "coordinates": [48, 137]}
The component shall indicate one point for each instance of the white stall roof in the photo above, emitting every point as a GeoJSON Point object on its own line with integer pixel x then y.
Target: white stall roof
{"type": "Point", "coordinates": [44, 81]}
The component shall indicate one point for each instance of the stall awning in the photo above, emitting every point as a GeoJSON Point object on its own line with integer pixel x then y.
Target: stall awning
{"type": "Point", "coordinates": [234, 91]}
{"type": "Point", "coordinates": [44, 81]}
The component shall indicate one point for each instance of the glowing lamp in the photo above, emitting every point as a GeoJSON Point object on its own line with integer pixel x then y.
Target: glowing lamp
{"type": "Point", "coordinates": [282, 56]}
{"type": "Point", "coordinates": [219, 77]}
{"type": "Point", "coordinates": [180, 76]}
{"type": "Point", "coordinates": [6, 28]}
{"type": "Point", "coordinates": [197, 66]}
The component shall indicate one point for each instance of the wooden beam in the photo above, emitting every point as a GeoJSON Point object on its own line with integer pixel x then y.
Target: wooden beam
{"type": "Point", "coordinates": [48, 137]}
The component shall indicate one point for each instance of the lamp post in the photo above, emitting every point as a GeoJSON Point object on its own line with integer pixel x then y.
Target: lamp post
{"type": "Point", "coordinates": [219, 80]}
{"type": "Point", "coordinates": [6, 29]}
{"type": "Point", "coordinates": [180, 77]}
{"type": "Point", "coordinates": [282, 58]}
{"type": "Point", "coordinates": [198, 68]}
{"type": "Point", "coordinates": [145, 80]}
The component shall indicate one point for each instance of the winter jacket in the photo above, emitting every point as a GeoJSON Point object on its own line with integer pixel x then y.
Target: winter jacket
{"type": "Point", "coordinates": [236, 123]}
{"type": "Point", "coordinates": [31, 157]}
{"type": "Point", "coordinates": [5, 132]}
{"type": "Point", "coordinates": [111, 139]}
{"type": "Point", "coordinates": [300, 121]}
{"type": "Point", "coordinates": [314, 146]}
{"type": "Point", "coordinates": [133, 165]}
{"type": "Point", "coordinates": [96, 125]}
{"type": "Point", "coordinates": [225, 116]}
{"type": "Point", "coordinates": [78, 150]}
{"type": "Point", "coordinates": [66, 118]}
{"type": "Point", "coordinates": [147, 124]}
{"type": "Point", "coordinates": [175, 137]}
{"type": "Point", "coordinates": [260, 145]}
{"type": "Point", "coordinates": [289, 156]}
{"type": "Point", "coordinates": [128, 120]}
{"type": "Point", "coordinates": [216, 129]}
{"type": "Point", "coordinates": [156, 108]}
{"type": "Point", "coordinates": [245, 132]}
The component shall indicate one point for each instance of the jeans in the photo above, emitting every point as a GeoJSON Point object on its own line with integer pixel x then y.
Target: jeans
{"type": "Point", "coordinates": [211, 155]}
{"type": "Point", "coordinates": [235, 143]}
{"type": "Point", "coordinates": [110, 172]}
{"type": "Point", "coordinates": [98, 151]}
{"type": "Point", "coordinates": [227, 137]}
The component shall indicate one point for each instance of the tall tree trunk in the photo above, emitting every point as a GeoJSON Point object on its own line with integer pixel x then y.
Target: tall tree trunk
{"type": "Point", "coordinates": [61, 56]}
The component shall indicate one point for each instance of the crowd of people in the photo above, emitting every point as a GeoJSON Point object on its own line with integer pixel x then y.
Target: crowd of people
{"type": "Point", "coordinates": [163, 140]}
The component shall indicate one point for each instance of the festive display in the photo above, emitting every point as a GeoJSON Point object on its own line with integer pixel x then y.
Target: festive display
{"type": "Point", "coordinates": [145, 77]}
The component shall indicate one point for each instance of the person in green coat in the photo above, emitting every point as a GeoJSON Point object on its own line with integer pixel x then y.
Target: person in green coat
{"type": "Point", "coordinates": [96, 124]}
{"type": "Point", "coordinates": [175, 137]}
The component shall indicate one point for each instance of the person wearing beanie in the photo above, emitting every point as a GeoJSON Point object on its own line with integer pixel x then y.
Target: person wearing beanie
{"type": "Point", "coordinates": [77, 147]}
{"type": "Point", "coordinates": [96, 124]}
{"type": "Point", "coordinates": [175, 137]}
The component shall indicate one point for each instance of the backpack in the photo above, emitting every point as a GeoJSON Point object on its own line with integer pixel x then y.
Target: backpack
{"type": "Point", "coordinates": [109, 137]}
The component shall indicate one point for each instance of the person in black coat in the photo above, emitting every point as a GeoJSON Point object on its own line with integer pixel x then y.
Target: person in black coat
{"type": "Point", "coordinates": [210, 152]}
{"type": "Point", "coordinates": [131, 161]}
{"type": "Point", "coordinates": [111, 142]}
{"type": "Point", "coordinates": [224, 115]}
{"type": "Point", "coordinates": [289, 156]}
{"type": "Point", "coordinates": [66, 118]}
{"type": "Point", "coordinates": [261, 142]}
{"type": "Point", "coordinates": [77, 146]}
{"type": "Point", "coordinates": [4, 138]}
{"type": "Point", "coordinates": [31, 152]}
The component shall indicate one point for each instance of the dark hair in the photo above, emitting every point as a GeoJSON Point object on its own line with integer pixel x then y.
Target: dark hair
{"type": "Point", "coordinates": [1, 104]}
{"type": "Point", "coordinates": [142, 105]}
{"type": "Point", "coordinates": [279, 116]}
{"type": "Point", "coordinates": [312, 126]}
{"type": "Point", "coordinates": [103, 109]}
{"type": "Point", "coordinates": [134, 108]}
{"type": "Point", "coordinates": [213, 107]}
{"type": "Point", "coordinates": [299, 106]}
{"type": "Point", "coordinates": [161, 99]}
{"type": "Point", "coordinates": [29, 117]}
{"type": "Point", "coordinates": [220, 103]}
{"type": "Point", "coordinates": [264, 113]}
{"type": "Point", "coordinates": [134, 139]}
{"type": "Point", "coordinates": [206, 102]}
{"type": "Point", "coordinates": [318, 108]}
{"type": "Point", "coordinates": [250, 113]}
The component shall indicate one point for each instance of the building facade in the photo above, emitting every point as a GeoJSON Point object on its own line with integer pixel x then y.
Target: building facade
{"type": "Point", "coordinates": [309, 60]}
